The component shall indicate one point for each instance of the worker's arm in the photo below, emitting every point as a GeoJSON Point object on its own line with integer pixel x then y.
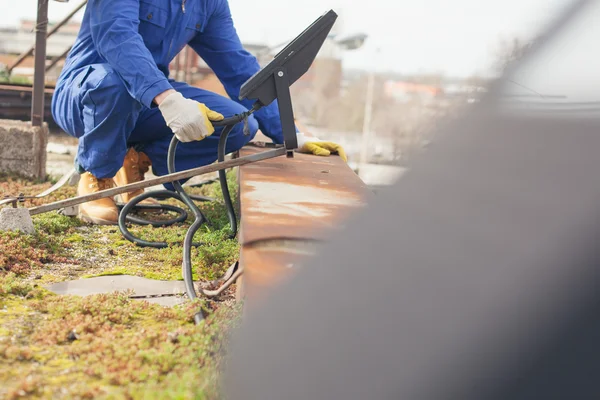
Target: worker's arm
{"type": "Point", "coordinates": [220, 47]}
{"type": "Point", "coordinates": [114, 27]}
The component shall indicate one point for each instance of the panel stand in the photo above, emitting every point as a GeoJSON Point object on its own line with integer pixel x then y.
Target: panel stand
{"type": "Point", "coordinates": [286, 112]}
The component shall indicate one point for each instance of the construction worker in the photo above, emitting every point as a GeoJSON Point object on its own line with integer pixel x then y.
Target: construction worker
{"type": "Point", "coordinates": [115, 96]}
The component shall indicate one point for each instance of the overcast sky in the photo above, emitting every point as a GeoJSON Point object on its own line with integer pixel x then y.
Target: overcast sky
{"type": "Point", "coordinates": [456, 37]}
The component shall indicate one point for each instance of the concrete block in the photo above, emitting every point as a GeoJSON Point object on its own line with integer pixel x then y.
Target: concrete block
{"type": "Point", "coordinates": [16, 219]}
{"type": "Point", "coordinates": [23, 148]}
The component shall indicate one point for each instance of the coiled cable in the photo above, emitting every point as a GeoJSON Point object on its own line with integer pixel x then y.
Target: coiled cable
{"type": "Point", "coordinates": [199, 218]}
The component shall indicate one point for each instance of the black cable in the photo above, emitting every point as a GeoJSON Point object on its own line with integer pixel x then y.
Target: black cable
{"type": "Point", "coordinates": [189, 237]}
{"type": "Point", "coordinates": [124, 217]}
{"type": "Point", "coordinates": [181, 195]}
{"type": "Point", "coordinates": [223, 180]}
{"type": "Point", "coordinates": [199, 218]}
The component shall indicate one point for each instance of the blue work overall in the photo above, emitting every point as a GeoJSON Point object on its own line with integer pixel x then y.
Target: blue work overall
{"type": "Point", "coordinates": [120, 63]}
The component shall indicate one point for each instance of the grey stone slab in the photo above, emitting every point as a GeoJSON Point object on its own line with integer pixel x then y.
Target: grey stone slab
{"type": "Point", "coordinates": [166, 301]}
{"type": "Point", "coordinates": [120, 283]}
{"type": "Point", "coordinates": [16, 219]}
{"type": "Point", "coordinates": [23, 148]}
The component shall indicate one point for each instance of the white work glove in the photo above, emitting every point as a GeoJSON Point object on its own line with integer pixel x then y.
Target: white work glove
{"type": "Point", "coordinates": [188, 119]}
{"type": "Point", "coordinates": [313, 145]}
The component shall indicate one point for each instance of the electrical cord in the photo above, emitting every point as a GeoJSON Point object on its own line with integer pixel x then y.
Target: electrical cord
{"type": "Point", "coordinates": [199, 219]}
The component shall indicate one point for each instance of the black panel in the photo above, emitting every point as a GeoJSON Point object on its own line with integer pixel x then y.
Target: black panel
{"type": "Point", "coordinates": [296, 58]}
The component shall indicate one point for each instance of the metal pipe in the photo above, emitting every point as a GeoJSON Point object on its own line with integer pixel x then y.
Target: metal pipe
{"type": "Point", "coordinates": [56, 59]}
{"type": "Point", "coordinates": [158, 181]}
{"type": "Point", "coordinates": [41, 27]}
{"type": "Point", "coordinates": [27, 53]}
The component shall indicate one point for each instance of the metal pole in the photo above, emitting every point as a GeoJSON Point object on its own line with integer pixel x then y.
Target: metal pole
{"type": "Point", "coordinates": [264, 155]}
{"type": "Point", "coordinates": [367, 121]}
{"type": "Point", "coordinates": [27, 53]}
{"type": "Point", "coordinates": [37, 104]}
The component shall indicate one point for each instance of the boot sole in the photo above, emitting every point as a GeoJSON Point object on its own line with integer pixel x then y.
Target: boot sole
{"type": "Point", "coordinates": [95, 221]}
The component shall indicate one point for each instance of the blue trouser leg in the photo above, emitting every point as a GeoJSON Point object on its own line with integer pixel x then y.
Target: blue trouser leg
{"type": "Point", "coordinates": [95, 107]}
{"type": "Point", "coordinates": [152, 136]}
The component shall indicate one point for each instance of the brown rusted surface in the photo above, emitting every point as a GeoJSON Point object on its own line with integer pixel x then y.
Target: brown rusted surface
{"type": "Point", "coordinates": [262, 271]}
{"type": "Point", "coordinates": [288, 207]}
{"type": "Point", "coordinates": [300, 198]}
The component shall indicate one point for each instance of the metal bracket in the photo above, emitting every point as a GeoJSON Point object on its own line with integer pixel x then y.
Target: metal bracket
{"type": "Point", "coordinates": [286, 111]}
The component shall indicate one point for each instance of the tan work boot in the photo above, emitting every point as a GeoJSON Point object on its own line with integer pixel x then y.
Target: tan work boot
{"type": "Point", "coordinates": [99, 212]}
{"type": "Point", "coordinates": [134, 167]}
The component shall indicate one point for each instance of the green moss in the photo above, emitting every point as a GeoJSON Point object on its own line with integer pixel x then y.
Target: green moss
{"type": "Point", "coordinates": [75, 238]}
{"type": "Point", "coordinates": [14, 185]}
{"type": "Point", "coordinates": [10, 285]}
{"type": "Point", "coordinates": [23, 253]}
{"type": "Point", "coordinates": [54, 223]}
{"type": "Point", "coordinates": [123, 349]}
{"type": "Point", "coordinates": [118, 347]}
{"type": "Point", "coordinates": [117, 256]}
{"type": "Point", "coordinates": [17, 79]}
{"type": "Point", "coordinates": [64, 248]}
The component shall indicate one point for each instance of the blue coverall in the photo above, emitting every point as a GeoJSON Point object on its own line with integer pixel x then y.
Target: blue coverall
{"type": "Point", "coordinates": [120, 63]}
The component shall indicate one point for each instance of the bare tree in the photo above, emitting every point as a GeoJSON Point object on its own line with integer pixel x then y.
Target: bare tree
{"type": "Point", "coordinates": [510, 51]}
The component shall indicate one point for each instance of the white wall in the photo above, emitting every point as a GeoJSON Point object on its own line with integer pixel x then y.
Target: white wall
{"type": "Point", "coordinates": [13, 42]}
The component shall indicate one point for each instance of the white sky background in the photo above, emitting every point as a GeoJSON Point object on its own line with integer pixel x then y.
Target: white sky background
{"type": "Point", "coordinates": [454, 37]}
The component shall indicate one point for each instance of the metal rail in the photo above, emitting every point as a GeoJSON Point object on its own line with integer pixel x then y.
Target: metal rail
{"type": "Point", "coordinates": [15, 102]}
{"type": "Point", "coordinates": [14, 200]}
{"type": "Point", "coordinates": [158, 181]}
{"type": "Point", "coordinates": [54, 29]}
{"type": "Point", "coordinates": [56, 59]}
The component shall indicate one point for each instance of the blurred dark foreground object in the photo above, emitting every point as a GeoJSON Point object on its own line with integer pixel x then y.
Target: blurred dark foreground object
{"type": "Point", "coordinates": [475, 277]}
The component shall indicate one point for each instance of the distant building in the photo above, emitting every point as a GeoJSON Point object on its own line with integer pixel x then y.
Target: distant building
{"type": "Point", "coordinates": [403, 91]}
{"type": "Point", "coordinates": [325, 76]}
{"type": "Point", "coordinates": [463, 90]}
{"type": "Point", "coordinates": [16, 40]}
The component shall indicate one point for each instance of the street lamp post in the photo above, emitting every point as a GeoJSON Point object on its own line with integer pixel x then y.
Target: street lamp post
{"type": "Point", "coordinates": [366, 131]}
{"type": "Point", "coordinates": [367, 121]}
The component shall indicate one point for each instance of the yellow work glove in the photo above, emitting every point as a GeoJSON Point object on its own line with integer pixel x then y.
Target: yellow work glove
{"type": "Point", "coordinates": [211, 116]}
{"type": "Point", "coordinates": [318, 147]}
{"type": "Point", "coordinates": [188, 119]}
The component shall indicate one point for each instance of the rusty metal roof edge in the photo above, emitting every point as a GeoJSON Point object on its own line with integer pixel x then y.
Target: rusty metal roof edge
{"type": "Point", "coordinates": [267, 240]}
{"type": "Point", "coordinates": [305, 197]}
{"type": "Point", "coordinates": [289, 209]}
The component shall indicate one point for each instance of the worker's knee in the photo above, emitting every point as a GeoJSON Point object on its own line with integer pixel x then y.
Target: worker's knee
{"type": "Point", "coordinates": [107, 104]}
{"type": "Point", "coordinates": [91, 94]}
{"type": "Point", "coordinates": [105, 85]}
{"type": "Point", "coordinates": [253, 125]}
